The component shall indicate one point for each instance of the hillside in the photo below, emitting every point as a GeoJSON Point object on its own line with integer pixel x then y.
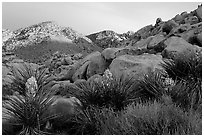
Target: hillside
{"type": "Point", "coordinates": [149, 82]}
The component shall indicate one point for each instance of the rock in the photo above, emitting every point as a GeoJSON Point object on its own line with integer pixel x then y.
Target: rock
{"type": "Point", "coordinates": [66, 73]}
{"type": "Point", "coordinates": [198, 12]}
{"type": "Point", "coordinates": [81, 72]}
{"type": "Point", "coordinates": [155, 41]}
{"type": "Point", "coordinates": [182, 28]}
{"type": "Point", "coordinates": [191, 20]}
{"type": "Point", "coordinates": [66, 61]}
{"type": "Point", "coordinates": [95, 78]}
{"type": "Point", "coordinates": [169, 26]}
{"type": "Point", "coordinates": [142, 44]}
{"type": "Point", "coordinates": [144, 32]}
{"type": "Point", "coordinates": [111, 53]}
{"type": "Point", "coordinates": [184, 14]}
{"type": "Point", "coordinates": [66, 107]}
{"type": "Point", "coordinates": [77, 56]}
{"type": "Point", "coordinates": [178, 18]}
{"type": "Point", "coordinates": [177, 46]}
{"type": "Point", "coordinates": [199, 38]}
{"type": "Point", "coordinates": [92, 64]}
{"type": "Point", "coordinates": [135, 66]}
{"type": "Point", "coordinates": [191, 35]}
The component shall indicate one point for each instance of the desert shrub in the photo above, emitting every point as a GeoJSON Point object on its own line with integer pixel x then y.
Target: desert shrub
{"type": "Point", "coordinates": [187, 95]}
{"type": "Point", "coordinates": [19, 77]}
{"type": "Point", "coordinates": [151, 119]}
{"type": "Point", "coordinates": [152, 86]}
{"type": "Point", "coordinates": [187, 68]}
{"type": "Point", "coordinates": [114, 92]}
{"type": "Point", "coordinates": [27, 112]}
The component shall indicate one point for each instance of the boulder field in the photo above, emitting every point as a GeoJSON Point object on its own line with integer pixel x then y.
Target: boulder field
{"type": "Point", "coordinates": [73, 58]}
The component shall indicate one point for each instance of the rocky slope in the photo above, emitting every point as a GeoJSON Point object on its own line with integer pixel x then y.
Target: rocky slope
{"type": "Point", "coordinates": [108, 38]}
{"type": "Point", "coordinates": [38, 42]}
{"type": "Point", "coordinates": [67, 53]}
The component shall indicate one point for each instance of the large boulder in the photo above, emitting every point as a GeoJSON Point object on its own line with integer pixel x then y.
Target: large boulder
{"type": "Point", "coordinates": [135, 66]}
{"type": "Point", "coordinates": [65, 106]}
{"type": "Point", "coordinates": [92, 64]}
{"type": "Point", "coordinates": [177, 46]}
{"type": "Point", "coordinates": [155, 41]}
{"type": "Point", "coordinates": [191, 35]}
{"type": "Point", "coordinates": [169, 26]}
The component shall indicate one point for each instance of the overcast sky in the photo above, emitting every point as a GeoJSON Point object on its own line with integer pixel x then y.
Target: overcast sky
{"type": "Point", "coordinates": [90, 17]}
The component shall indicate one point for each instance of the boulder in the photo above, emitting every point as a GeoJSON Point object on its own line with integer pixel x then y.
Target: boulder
{"type": "Point", "coordinates": [135, 66]}
{"type": "Point", "coordinates": [190, 35]}
{"type": "Point", "coordinates": [144, 32]}
{"type": "Point", "coordinates": [177, 46]}
{"type": "Point", "coordinates": [92, 64]}
{"type": "Point", "coordinates": [169, 26]}
{"type": "Point", "coordinates": [178, 18]}
{"type": "Point", "coordinates": [191, 20]}
{"type": "Point", "coordinates": [155, 41]}
{"type": "Point", "coordinates": [198, 12]}
{"type": "Point", "coordinates": [66, 72]}
{"type": "Point", "coordinates": [111, 53]}
{"type": "Point", "coordinates": [66, 107]}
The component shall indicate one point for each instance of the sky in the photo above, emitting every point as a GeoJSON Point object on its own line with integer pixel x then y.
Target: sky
{"type": "Point", "coordinates": [91, 17]}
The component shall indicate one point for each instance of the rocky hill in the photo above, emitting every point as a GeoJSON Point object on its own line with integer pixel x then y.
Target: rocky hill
{"type": "Point", "coordinates": [108, 38]}
{"type": "Point", "coordinates": [38, 42]}
{"type": "Point", "coordinates": [70, 56]}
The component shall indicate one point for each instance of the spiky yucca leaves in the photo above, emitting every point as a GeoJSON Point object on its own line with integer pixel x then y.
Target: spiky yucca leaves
{"type": "Point", "coordinates": [29, 113]}
{"type": "Point", "coordinates": [115, 93]}
{"type": "Point", "coordinates": [153, 86]}
{"type": "Point", "coordinates": [20, 75]}
{"type": "Point", "coordinates": [28, 110]}
{"type": "Point", "coordinates": [187, 68]}
{"type": "Point", "coordinates": [187, 94]}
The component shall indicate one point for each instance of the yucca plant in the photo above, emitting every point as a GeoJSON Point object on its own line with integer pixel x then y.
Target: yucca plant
{"type": "Point", "coordinates": [28, 111]}
{"type": "Point", "coordinates": [19, 76]}
{"type": "Point", "coordinates": [187, 94]}
{"type": "Point", "coordinates": [153, 86]}
{"type": "Point", "coordinates": [28, 114]}
{"type": "Point", "coordinates": [187, 68]}
{"type": "Point", "coordinates": [115, 92]}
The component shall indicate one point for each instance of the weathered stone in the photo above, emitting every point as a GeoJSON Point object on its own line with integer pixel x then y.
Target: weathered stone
{"type": "Point", "coordinates": [155, 41]}
{"type": "Point", "coordinates": [191, 20]}
{"type": "Point", "coordinates": [92, 64]}
{"type": "Point", "coordinates": [169, 26]}
{"type": "Point", "coordinates": [177, 46]}
{"type": "Point", "coordinates": [135, 66]}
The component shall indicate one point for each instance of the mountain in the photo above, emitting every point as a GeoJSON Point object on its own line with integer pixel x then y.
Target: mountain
{"type": "Point", "coordinates": [108, 38]}
{"type": "Point", "coordinates": [38, 42]}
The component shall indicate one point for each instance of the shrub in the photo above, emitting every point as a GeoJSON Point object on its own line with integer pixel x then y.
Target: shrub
{"type": "Point", "coordinates": [115, 92]}
{"type": "Point", "coordinates": [152, 86]}
{"type": "Point", "coordinates": [187, 68]}
{"type": "Point", "coordinates": [19, 77]}
{"type": "Point", "coordinates": [27, 113]}
{"type": "Point", "coordinates": [151, 119]}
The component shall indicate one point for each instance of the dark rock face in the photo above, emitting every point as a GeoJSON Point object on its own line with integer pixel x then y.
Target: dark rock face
{"type": "Point", "coordinates": [90, 65]}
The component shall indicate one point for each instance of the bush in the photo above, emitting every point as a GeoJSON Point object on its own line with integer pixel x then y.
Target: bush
{"type": "Point", "coordinates": [151, 119]}
{"type": "Point", "coordinates": [185, 68]}
{"type": "Point", "coordinates": [115, 92]}
{"type": "Point", "coordinates": [19, 77]}
{"type": "Point", "coordinates": [27, 113]}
